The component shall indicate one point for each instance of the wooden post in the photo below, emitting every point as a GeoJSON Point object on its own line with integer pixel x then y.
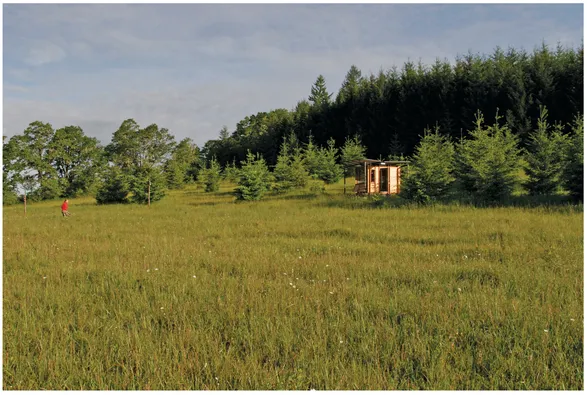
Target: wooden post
{"type": "Point", "coordinates": [149, 194]}
{"type": "Point", "coordinates": [344, 177]}
{"type": "Point", "coordinates": [25, 203]}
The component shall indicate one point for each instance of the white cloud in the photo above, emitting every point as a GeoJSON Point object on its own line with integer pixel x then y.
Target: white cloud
{"type": "Point", "coordinates": [44, 52]}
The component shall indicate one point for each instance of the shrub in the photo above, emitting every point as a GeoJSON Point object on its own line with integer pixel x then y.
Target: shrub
{"type": "Point", "coordinates": [140, 185]}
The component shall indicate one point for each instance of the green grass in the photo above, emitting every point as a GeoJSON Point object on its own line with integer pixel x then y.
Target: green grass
{"type": "Point", "coordinates": [293, 292]}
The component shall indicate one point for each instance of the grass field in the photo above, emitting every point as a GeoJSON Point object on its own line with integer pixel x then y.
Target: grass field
{"type": "Point", "coordinates": [293, 292]}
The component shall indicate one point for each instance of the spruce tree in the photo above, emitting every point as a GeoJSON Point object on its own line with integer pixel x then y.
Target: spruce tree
{"type": "Point", "coordinates": [254, 180]}
{"type": "Point", "coordinates": [431, 169]}
{"type": "Point", "coordinates": [545, 157]}
{"type": "Point", "coordinates": [487, 165]}
{"type": "Point", "coordinates": [210, 176]}
{"type": "Point", "coordinates": [573, 172]}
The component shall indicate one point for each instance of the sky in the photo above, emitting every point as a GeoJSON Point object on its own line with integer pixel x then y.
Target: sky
{"type": "Point", "coordinates": [193, 68]}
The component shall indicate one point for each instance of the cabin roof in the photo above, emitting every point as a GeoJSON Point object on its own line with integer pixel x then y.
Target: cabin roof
{"type": "Point", "coordinates": [379, 162]}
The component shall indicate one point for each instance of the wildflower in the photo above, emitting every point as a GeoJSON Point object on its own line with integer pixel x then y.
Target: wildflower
{"type": "Point", "coordinates": [348, 278]}
{"type": "Point", "coordinates": [459, 289]}
{"type": "Point", "coordinates": [161, 308]}
{"type": "Point", "coordinates": [290, 284]}
{"type": "Point", "coordinates": [327, 265]}
{"type": "Point", "coordinates": [148, 270]}
{"type": "Point", "coordinates": [299, 257]}
{"type": "Point", "coordinates": [546, 330]}
{"type": "Point", "coordinates": [297, 278]}
{"type": "Point", "coordinates": [44, 277]}
{"type": "Point", "coordinates": [464, 256]}
{"type": "Point", "coordinates": [331, 293]}
{"type": "Point", "coordinates": [341, 342]}
{"type": "Point", "coordinates": [572, 319]}
{"type": "Point", "coordinates": [156, 269]}
{"type": "Point", "coordinates": [194, 276]}
{"type": "Point", "coordinates": [293, 286]}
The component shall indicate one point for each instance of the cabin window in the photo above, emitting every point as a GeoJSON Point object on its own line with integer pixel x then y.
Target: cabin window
{"type": "Point", "coordinates": [360, 174]}
{"type": "Point", "coordinates": [373, 175]}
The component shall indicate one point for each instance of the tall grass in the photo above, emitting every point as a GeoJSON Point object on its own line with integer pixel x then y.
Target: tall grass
{"type": "Point", "coordinates": [294, 292]}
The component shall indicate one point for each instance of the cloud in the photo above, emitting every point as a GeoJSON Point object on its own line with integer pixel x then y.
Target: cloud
{"type": "Point", "coordinates": [195, 67]}
{"type": "Point", "coordinates": [44, 52]}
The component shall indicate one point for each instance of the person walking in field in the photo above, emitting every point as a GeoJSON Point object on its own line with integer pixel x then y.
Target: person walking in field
{"type": "Point", "coordinates": [64, 208]}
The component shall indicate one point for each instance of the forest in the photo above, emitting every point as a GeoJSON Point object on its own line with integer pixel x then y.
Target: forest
{"type": "Point", "coordinates": [534, 100]}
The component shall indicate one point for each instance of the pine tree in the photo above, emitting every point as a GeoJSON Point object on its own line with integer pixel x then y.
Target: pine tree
{"type": "Point", "coordinates": [431, 171]}
{"type": "Point", "coordinates": [319, 96]}
{"type": "Point", "coordinates": [545, 157]}
{"type": "Point", "coordinates": [328, 170]}
{"type": "Point", "coordinates": [487, 165]}
{"type": "Point", "coordinates": [210, 176]}
{"type": "Point", "coordinates": [573, 172]}
{"type": "Point", "coordinates": [255, 178]}
{"type": "Point", "coordinates": [312, 158]}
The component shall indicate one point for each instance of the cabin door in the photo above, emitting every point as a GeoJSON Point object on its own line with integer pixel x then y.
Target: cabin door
{"type": "Point", "coordinates": [384, 180]}
{"type": "Point", "coordinates": [394, 179]}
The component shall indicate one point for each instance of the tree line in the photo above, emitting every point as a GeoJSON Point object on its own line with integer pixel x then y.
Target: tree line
{"type": "Point", "coordinates": [390, 110]}
{"type": "Point", "coordinates": [379, 116]}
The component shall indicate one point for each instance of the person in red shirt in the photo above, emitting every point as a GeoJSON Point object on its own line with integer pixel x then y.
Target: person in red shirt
{"type": "Point", "coordinates": [64, 208]}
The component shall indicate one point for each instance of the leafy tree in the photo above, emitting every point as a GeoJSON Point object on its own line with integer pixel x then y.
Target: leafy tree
{"type": "Point", "coordinates": [545, 157]}
{"type": "Point", "coordinates": [115, 188]}
{"type": "Point", "coordinates": [133, 147]}
{"type": "Point", "coordinates": [488, 164]}
{"type": "Point", "coordinates": [30, 155]}
{"type": "Point", "coordinates": [210, 176]}
{"type": "Point", "coordinates": [255, 178]}
{"type": "Point", "coordinates": [77, 159]}
{"type": "Point", "coordinates": [431, 170]}
{"type": "Point", "coordinates": [573, 172]}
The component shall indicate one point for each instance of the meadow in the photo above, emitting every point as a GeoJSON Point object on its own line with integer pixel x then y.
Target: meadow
{"type": "Point", "coordinates": [292, 292]}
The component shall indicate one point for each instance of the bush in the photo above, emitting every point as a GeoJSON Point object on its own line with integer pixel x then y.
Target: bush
{"type": "Point", "coordinates": [328, 170]}
{"type": "Point", "coordinates": [431, 170]}
{"type": "Point", "coordinates": [254, 179]}
{"type": "Point", "coordinates": [114, 189]}
{"type": "Point", "coordinates": [487, 166]}
{"type": "Point", "coordinates": [231, 172]}
{"type": "Point", "coordinates": [317, 187]}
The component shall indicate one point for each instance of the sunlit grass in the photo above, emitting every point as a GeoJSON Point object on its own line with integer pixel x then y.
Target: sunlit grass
{"type": "Point", "coordinates": [293, 292]}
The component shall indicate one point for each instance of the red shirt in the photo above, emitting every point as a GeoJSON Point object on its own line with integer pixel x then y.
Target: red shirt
{"type": "Point", "coordinates": [64, 206]}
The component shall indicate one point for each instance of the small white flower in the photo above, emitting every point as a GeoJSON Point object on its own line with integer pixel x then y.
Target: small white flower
{"type": "Point", "coordinates": [290, 284]}
{"type": "Point", "coordinates": [293, 286]}
{"type": "Point", "coordinates": [285, 274]}
{"type": "Point", "coordinates": [156, 269]}
{"type": "Point", "coordinates": [348, 278]}
{"type": "Point", "coordinates": [161, 308]}
{"type": "Point", "coordinates": [459, 289]}
{"type": "Point", "coordinates": [331, 293]}
{"type": "Point", "coordinates": [216, 378]}
{"type": "Point", "coordinates": [44, 277]}
{"type": "Point", "coordinates": [148, 270]}
{"type": "Point", "coordinates": [297, 278]}
{"type": "Point", "coordinates": [572, 319]}
{"type": "Point", "coordinates": [464, 256]}
{"type": "Point", "coordinates": [299, 257]}
{"type": "Point", "coordinates": [194, 276]}
{"type": "Point", "coordinates": [546, 330]}
{"type": "Point", "coordinates": [341, 342]}
{"type": "Point", "coordinates": [327, 265]}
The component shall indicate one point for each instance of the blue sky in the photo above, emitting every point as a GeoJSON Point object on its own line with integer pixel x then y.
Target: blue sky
{"type": "Point", "coordinates": [193, 68]}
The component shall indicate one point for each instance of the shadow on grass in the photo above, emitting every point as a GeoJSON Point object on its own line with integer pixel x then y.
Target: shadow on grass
{"type": "Point", "coordinates": [558, 203]}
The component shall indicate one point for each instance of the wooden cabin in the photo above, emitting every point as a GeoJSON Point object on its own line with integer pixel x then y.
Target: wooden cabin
{"type": "Point", "coordinates": [378, 177]}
